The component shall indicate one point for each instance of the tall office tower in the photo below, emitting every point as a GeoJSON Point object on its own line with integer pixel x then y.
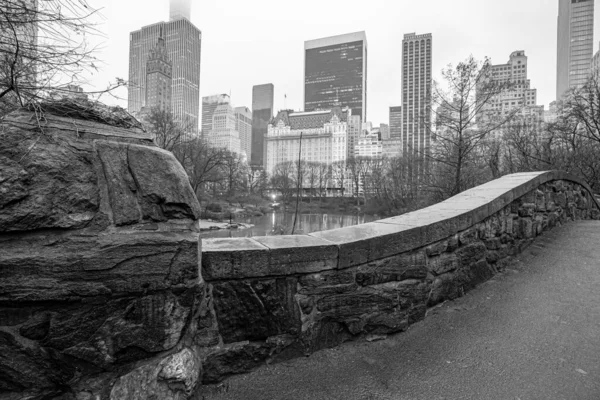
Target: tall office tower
{"type": "Point", "coordinates": [243, 124]}
{"type": "Point", "coordinates": [262, 112]}
{"type": "Point", "coordinates": [396, 122]}
{"type": "Point", "coordinates": [223, 133]}
{"type": "Point", "coordinates": [158, 77]}
{"type": "Point", "coordinates": [521, 95]}
{"type": "Point", "coordinates": [575, 43]}
{"type": "Point", "coordinates": [209, 105]}
{"type": "Point", "coordinates": [354, 130]}
{"type": "Point", "coordinates": [183, 43]}
{"type": "Point", "coordinates": [335, 72]}
{"type": "Point", "coordinates": [416, 93]}
{"type": "Point", "coordinates": [385, 131]}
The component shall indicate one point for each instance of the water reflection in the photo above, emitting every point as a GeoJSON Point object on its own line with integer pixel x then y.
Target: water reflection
{"type": "Point", "coordinates": [281, 223]}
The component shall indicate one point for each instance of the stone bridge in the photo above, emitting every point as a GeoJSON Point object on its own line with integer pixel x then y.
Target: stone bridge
{"type": "Point", "coordinates": [106, 292]}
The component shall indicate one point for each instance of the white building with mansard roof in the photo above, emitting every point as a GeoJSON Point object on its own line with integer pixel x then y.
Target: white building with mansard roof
{"type": "Point", "coordinates": [324, 137]}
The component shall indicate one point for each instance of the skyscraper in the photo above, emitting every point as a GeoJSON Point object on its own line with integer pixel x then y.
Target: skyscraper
{"type": "Point", "coordinates": [416, 93]}
{"type": "Point", "coordinates": [396, 122]}
{"type": "Point", "coordinates": [520, 96]}
{"type": "Point", "coordinates": [159, 77]}
{"type": "Point", "coordinates": [335, 73]}
{"type": "Point", "coordinates": [223, 132]}
{"type": "Point", "coordinates": [209, 105]}
{"type": "Point", "coordinates": [575, 43]}
{"type": "Point", "coordinates": [262, 112]}
{"type": "Point", "coordinates": [183, 44]}
{"type": "Point", "coordinates": [243, 124]}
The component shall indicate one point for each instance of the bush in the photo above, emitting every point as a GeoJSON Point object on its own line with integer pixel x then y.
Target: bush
{"type": "Point", "coordinates": [214, 207]}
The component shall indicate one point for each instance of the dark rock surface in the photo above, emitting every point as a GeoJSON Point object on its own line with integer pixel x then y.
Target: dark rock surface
{"type": "Point", "coordinates": [99, 263]}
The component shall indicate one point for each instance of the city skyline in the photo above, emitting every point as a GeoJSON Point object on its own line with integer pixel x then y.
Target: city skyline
{"type": "Point", "coordinates": [277, 58]}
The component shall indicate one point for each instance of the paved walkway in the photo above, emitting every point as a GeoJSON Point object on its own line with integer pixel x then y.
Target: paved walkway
{"type": "Point", "coordinates": [532, 332]}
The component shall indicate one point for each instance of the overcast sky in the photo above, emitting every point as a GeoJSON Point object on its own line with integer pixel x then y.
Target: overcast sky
{"type": "Point", "coordinates": [245, 43]}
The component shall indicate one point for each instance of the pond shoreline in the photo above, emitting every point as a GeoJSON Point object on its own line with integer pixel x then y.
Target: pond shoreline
{"type": "Point", "coordinates": [281, 222]}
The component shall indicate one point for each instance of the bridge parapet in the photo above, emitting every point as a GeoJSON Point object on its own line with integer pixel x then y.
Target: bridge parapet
{"type": "Point", "coordinates": [278, 297]}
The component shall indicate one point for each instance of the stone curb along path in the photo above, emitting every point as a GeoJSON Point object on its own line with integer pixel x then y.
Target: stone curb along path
{"type": "Point", "coordinates": [106, 292]}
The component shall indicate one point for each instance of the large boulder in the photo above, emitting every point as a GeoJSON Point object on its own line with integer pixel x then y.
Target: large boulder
{"type": "Point", "coordinates": [99, 258]}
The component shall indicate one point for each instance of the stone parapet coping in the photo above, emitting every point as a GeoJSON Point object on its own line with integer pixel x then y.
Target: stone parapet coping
{"type": "Point", "coordinates": [238, 258]}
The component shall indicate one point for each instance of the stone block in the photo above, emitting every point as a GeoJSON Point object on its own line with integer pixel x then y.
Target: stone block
{"type": "Point", "coordinates": [256, 309]}
{"type": "Point", "coordinates": [67, 268]}
{"type": "Point", "coordinates": [493, 243]}
{"type": "Point", "coordinates": [295, 254]}
{"type": "Point", "coordinates": [527, 210]}
{"type": "Point", "coordinates": [327, 282]}
{"type": "Point", "coordinates": [468, 236]}
{"type": "Point", "coordinates": [363, 243]}
{"type": "Point", "coordinates": [478, 273]}
{"type": "Point", "coordinates": [442, 264]}
{"type": "Point", "coordinates": [240, 358]}
{"type": "Point", "coordinates": [436, 248]}
{"type": "Point", "coordinates": [525, 228]}
{"type": "Point", "coordinates": [560, 199]}
{"type": "Point", "coordinates": [172, 378]}
{"type": "Point", "coordinates": [471, 253]}
{"type": "Point", "coordinates": [226, 258]}
{"type": "Point", "coordinates": [395, 268]}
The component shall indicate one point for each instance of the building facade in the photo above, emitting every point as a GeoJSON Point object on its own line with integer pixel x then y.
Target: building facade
{"type": "Point", "coordinates": [369, 146]}
{"type": "Point", "coordinates": [416, 96]}
{"type": "Point", "coordinates": [262, 113]}
{"type": "Point", "coordinates": [396, 122]}
{"type": "Point", "coordinates": [391, 147]}
{"type": "Point", "coordinates": [385, 131]}
{"type": "Point", "coordinates": [335, 73]}
{"type": "Point", "coordinates": [183, 45]}
{"type": "Point", "coordinates": [209, 105]}
{"type": "Point", "coordinates": [223, 132]}
{"type": "Point", "coordinates": [243, 124]}
{"type": "Point", "coordinates": [575, 42]}
{"type": "Point", "coordinates": [520, 96]}
{"type": "Point", "coordinates": [324, 137]}
{"type": "Point", "coordinates": [596, 64]}
{"type": "Point", "coordinates": [354, 130]}
{"type": "Point", "coordinates": [159, 77]}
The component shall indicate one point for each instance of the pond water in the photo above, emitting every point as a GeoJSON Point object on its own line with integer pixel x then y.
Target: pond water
{"type": "Point", "coordinates": [281, 223]}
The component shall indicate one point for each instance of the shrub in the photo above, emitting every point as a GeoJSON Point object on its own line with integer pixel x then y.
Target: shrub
{"type": "Point", "coordinates": [214, 207]}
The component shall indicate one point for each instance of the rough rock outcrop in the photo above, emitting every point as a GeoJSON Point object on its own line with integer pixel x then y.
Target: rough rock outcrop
{"type": "Point", "coordinates": [99, 262]}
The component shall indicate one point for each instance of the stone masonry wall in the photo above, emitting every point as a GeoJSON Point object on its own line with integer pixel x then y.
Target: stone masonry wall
{"type": "Point", "coordinates": [274, 298]}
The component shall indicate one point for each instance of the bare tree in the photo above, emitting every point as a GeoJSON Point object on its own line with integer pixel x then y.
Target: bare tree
{"type": "Point", "coordinates": [202, 163]}
{"type": "Point", "coordinates": [44, 47]}
{"type": "Point", "coordinates": [463, 120]}
{"type": "Point", "coordinates": [168, 132]}
{"type": "Point", "coordinates": [283, 178]}
{"type": "Point", "coordinates": [581, 108]}
{"type": "Point", "coordinates": [323, 177]}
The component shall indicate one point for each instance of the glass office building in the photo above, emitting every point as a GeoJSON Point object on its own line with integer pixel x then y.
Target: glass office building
{"type": "Point", "coordinates": [575, 44]}
{"type": "Point", "coordinates": [262, 112]}
{"type": "Point", "coordinates": [335, 73]}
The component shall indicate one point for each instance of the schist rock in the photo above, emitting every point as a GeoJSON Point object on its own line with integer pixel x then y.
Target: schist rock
{"type": "Point", "coordinates": [99, 260]}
